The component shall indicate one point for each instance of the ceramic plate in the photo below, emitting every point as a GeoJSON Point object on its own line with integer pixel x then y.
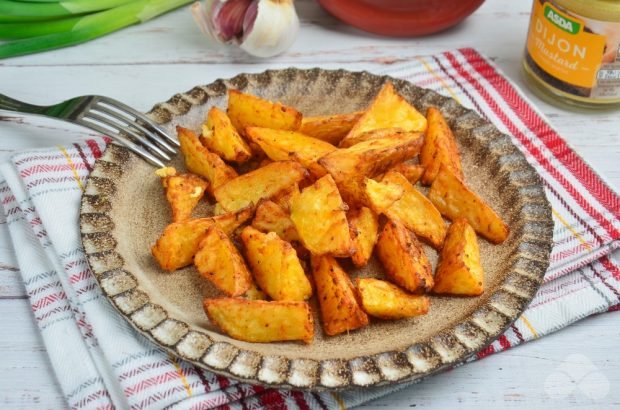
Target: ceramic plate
{"type": "Point", "coordinates": [124, 211]}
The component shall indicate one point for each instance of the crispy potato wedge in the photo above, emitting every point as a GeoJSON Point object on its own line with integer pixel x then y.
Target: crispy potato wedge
{"type": "Point", "coordinates": [416, 212]}
{"type": "Point", "coordinates": [386, 301]}
{"type": "Point", "coordinates": [282, 145]}
{"type": "Point", "coordinates": [455, 200]}
{"type": "Point", "coordinates": [219, 261]}
{"type": "Point", "coordinates": [221, 137]}
{"type": "Point", "coordinates": [377, 134]}
{"type": "Point", "coordinates": [262, 183]}
{"type": "Point", "coordinates": [350, 165]}
{"type": "Point", "coordinates": [318, 214]}
{"type": "Point", "coordinates": [245, 110]}
{"type": "Point", "coordinates": [459, 271]}
{"type": "Point", "coordinates": [275, 265]}
{"type": "Point", "coordinates": [199, 160]}
{"type": "Point", "coordinates": [271, 217]}
{"type": "Point", "coordinates": [340, 311]}
{"type": "Point", "coordinates": [329, 128]}
{"type": "Point", "coordinates": [179, 242]}
{"type": "Point", "coordinates": [388, 110]}
{"type": "Point", "coordinates": [260, 321]}
{"type": "Point", "coordinates": [364, 227]}
{"type": "Point", "coordinates": [380, 195]}
{"type": "Point", "coordinates": [404, 259]}
{"type": "Point", "coordinates": [413, 172]}
{"type": "Point", "coordinates": [439, 148]}
{"type": "Point", "coordinates": [183, 193]}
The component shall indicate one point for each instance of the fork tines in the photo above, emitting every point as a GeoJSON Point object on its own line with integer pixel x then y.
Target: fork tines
{"type": "Point", "coordinates": [131, 128]}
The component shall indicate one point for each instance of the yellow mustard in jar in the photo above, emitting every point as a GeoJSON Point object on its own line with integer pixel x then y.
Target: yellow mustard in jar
{"type": "Point", "coordinates": [573, 51]}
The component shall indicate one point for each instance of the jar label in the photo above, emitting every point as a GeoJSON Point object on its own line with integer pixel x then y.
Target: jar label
{"type": "Point", "coordinates": [581, 55]}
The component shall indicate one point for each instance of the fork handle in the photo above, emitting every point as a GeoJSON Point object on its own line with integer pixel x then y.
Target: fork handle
{"type": "Point", "coordinates": [11, 104]}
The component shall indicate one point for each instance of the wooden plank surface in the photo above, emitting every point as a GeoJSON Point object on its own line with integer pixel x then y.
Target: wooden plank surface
{"type": "Point", "coordinates": [148, 63]}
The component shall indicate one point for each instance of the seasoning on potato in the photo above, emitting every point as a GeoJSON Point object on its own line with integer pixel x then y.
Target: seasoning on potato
{"type": "Point", "coordinates": [387, 301]}
{"type": "Point", "coordinates": [219, 135]}
{"type": "Point", "coordinates": [439, 148]}
{"type": "Point", "coordinates": [183, 193]}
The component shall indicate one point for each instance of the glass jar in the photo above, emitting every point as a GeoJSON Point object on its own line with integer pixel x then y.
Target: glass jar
{"type": "Point", "coordinates": [573, 51]}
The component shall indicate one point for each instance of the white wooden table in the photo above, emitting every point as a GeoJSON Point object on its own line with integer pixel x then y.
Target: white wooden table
{"type": "Point", "coordinates": [146, 64]}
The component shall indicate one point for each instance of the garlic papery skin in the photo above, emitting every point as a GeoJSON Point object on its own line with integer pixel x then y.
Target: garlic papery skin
{"type": "Point", "coordinates": [263, 28]}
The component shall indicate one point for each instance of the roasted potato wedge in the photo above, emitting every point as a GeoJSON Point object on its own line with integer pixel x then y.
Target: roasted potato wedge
{"type": "Point", "coordinates": [388, 110]}
{"type": "Point", "coordinates": [404, 259]}
{"type": "Point", "coordinates": [221, 137]}
{"type": "Point", "coordinates": [275, 265]}
{"type": "Point", "coordinates": [318, 214]}
{"type": "Point", "coordinates": [377, 134]}
{"type": "Point", "coordinates": [329, 128]}
{"type": "Point", "coordinates": [183, 193]}
{"type": "Point", "coordinates": [271, 217]}
{"type": "Point", "coordinates": [416, 212]}
{"type": "Point", "coordinates": [455, 200]}
{"type": "Point", "coordinates": [364, 227]}
{"type": "Point", "coordinates": [245, 110]}
{"type": "Point", "coordinates": [219, 261]}
{"type": "Point", "coordinates": [350, 165]}
{"type": "Point", "coordinates": [260, 321]}
{"type": "Point", "coordinates": [263, 183]}
{"type": "Point", "coordinates": [282, 145]}
{"type": "Point", "coordinates": [413, 172]}
{"type": "Point", "coordinates": [340, 311]}
{"type": "Point", "coordinates": [380, 195]}
{"type": "Point", "coordinates": [386, 301]}
{"type": "Point", "coordinates": [199, 160]}
{"type": "Point", "coordinates": [179, 242]}
{"type": "Point", "coordinates": [459, 271]}
{"type": "Point", "coordinates": [439, 148]}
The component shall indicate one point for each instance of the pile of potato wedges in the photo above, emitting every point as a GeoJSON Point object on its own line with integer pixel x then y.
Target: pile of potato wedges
{"type": "Point", "coordinates": [295, 196]}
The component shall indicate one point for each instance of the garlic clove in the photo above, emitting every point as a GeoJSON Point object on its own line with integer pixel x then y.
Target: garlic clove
{"type": "Point", "coordinates": [263, 28]}
{"type": "Point", "coordinates": [274, 29]}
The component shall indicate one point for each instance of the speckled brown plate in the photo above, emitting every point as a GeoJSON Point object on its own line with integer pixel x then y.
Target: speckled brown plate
{"type": "Point", "coordinates": [124, 211]}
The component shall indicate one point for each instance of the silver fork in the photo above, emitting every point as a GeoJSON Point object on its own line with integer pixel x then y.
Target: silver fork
{"type": "Point", "coordinates": [109, 117]}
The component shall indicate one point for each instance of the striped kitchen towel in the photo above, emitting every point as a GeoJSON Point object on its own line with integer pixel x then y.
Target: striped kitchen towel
{"type": "Point", "coordinates": [100, 361]}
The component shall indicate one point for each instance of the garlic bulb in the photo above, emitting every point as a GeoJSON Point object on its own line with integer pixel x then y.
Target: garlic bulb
{"type": "Point", "coordinates": [263, 28]}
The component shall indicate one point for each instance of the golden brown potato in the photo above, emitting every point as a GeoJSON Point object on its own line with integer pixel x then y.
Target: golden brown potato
{"type": "Point", "coordinates": [416, 212]}
{"type": "Point", "coordinates": [245, 110]}
{"type": "Point", "coordinates": [350, 165]}
{"type": "Point", "coordinates": [380, 195]}
{"type": "Point", "coordinates": [183, 193]}
{"type": "Point", "coordinates": [386, 301]}
{"type": "Point", "coordinates": [459, 271]}
{"type": "Point", "coordinates": [455, 200]}
{"type": "Point", "coordinates": [404, 259]}
{"type": "Point", "coordinates": [282, 145]}
{"type": "Point", "coordinates": [388, 110]}
{"type": "Point", "coordinates": [377, 134]}
{"type": "Point", "coordinates": [179, 242]}
{"type": "Point", "coordinates": [439, 148]}
{"type": "Point", "coordinates": [413, 172]}
{"type": "Point", "coordinates": [318, 214]}
{"type": "Point", "coordinates": [219, 261]}
{"type": "Point", "coordinates": [275, 265]}
{"type": "Point", "coordinates": [340, 311]}
{"type": "Point", "coordinates": [271, 217]}
{"type": "Point", "coordinates": [263, 183]}
{"type": "Point", "coordinates": [254, 293]}
{"type": "Point", "coordinates": [364, 226]}
{"type": "Point", "coordinates": [329, 128]}
{"type": "Point", "coordinates": [199, 160]}
{"type": "Point", "coordinates": [260, 321]}
{"type": "Point", "coordinates": [221, 137]}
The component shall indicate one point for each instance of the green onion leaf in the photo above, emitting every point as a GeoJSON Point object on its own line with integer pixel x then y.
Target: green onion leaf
{"type": "Point", "coordinates": [83, 28]}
